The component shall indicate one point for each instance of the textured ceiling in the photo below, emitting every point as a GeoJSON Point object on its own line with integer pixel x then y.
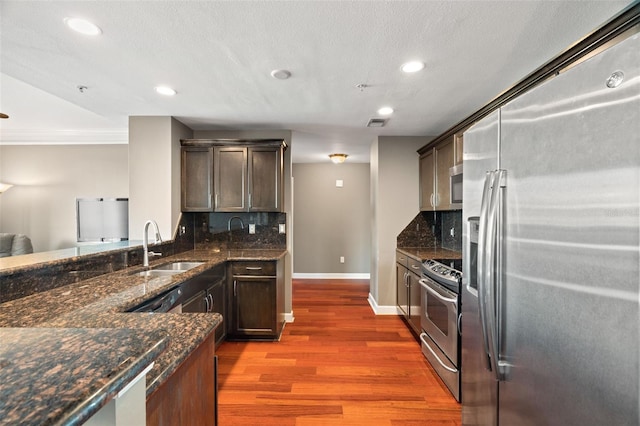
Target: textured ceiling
{"type": "Point", "coordinates": [219, 55]}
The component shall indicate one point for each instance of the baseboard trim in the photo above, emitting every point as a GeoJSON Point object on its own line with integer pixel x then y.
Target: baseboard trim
{"type": "Point", "coordinates": [288, 317]}
{"type": "Point", "coordinates": [324, 276]}
{"type": "Point", "coordinates": [382, 310]}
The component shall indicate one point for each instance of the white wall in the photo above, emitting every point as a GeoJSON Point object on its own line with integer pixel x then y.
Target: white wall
{"type": "Point", "coordinates": [47, 180]}
{"type": "Point", "coordinates": [329, 221]}
{"type": "Point", "coordinates": [394, 198]}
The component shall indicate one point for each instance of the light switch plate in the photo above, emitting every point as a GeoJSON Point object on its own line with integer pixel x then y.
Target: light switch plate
{"type": "Point", "coordinates": [252, 228]}
{"type": "Point", "coordinates": [339, 183]}
{"type": "Point", "coordinates": [282, 228]}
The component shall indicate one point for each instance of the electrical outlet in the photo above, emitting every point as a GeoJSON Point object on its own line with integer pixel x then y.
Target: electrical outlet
{"type": "Point", "coordinates": [183, 229]}
{"type": "Point", "coordinates": [252, 228]}
{"type": "Point", "coordinates": [341, 259]}
{"type": "Point", "coordinates": [282, 228]}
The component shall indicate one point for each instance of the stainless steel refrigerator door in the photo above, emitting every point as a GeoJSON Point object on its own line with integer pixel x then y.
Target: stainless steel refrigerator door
{"type": "Point", "coordinates": [479, 389]}
{"type": "Point", "coordinates": [571, 149]}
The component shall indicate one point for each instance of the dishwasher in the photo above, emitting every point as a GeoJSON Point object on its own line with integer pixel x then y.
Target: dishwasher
{"type": "Point", "coordinates": [167, 302]}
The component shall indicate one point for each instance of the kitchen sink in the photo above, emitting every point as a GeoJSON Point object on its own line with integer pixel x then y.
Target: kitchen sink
{"type": "Point", "coordinates": [177, 266]}
{"type": "Point", "coordinates": [169, 269]}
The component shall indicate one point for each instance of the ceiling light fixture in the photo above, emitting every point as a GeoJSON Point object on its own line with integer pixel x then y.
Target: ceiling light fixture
{"type": "Point", "coordinates": [83, 26]}
{"type": "Point", "coordinates": [385, 111]}
{"type": "Point", "coordinates": [3, 115]}
{"type": "Point", "coordinates": [281, 74]}
{"type": "Point", "coordinates": [338, 158]}
{"type": "Point", "coordinates": [413, 66]}
{"type": "Point", "coordinates": [165, 90]}
{"type": "Point", "coordinates": [4, 187]}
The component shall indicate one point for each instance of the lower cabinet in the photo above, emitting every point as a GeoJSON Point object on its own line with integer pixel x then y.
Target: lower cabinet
{"type": "Point", "coordinates": [408, 271]}
{"type": "Point", "coordinates": [256, 300]}
{"type": "Point", "coordinates": [206, 293]}
{"type": "Point", "coordinates": [189, 395]}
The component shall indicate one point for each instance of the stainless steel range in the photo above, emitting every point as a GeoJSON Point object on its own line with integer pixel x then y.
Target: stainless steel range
{"type": "Point", "coordinates": [440, 302]}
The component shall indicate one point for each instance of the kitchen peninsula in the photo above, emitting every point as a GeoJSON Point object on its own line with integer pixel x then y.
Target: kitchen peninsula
{"type": "Point", "coordinates": [87, 322]}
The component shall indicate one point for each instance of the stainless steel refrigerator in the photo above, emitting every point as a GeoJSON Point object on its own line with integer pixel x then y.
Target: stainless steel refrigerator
{"type": "Point", "coordinates": [551, 191]}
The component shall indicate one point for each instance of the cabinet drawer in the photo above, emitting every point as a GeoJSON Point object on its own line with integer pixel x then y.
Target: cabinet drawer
{"type": "Point", "coordinates": [414, 265]}
{"type": "Point", "coordinates": [401, 258]}
{"type": "Point", "coordinates": [265, 269]}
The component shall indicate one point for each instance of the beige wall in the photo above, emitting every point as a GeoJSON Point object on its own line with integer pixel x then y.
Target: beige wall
{"type": "Point", "coordinates": [331, 222]}
{"type": "Point", "coordinates": [154, 173]}
{"type": "Point", "coordinates": [48, 179]}
{"type": "Point", "coordinates": [394, 198]}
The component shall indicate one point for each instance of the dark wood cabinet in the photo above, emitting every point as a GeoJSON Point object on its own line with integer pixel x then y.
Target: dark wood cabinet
{"type": "Point", "coordinates": [230, 181]}
{"type": "Point", "coordinates": [197, 179]}
{"type": "Point", "coordinates": [248, 179]}
{"type": "Point", "coordinates": [256, 296]}
{"type": "Point", "coordinates": [232, 176]}
{"type": "Point", "coordinates": [206, 293]}
{"type": "Point", "coordinates": [408, 271]}
{"type": "Point", "coordinates": [434, 176]}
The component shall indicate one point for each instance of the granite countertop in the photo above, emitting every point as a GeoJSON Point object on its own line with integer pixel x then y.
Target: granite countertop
{"type": "Point", "coordinates": [422, 254]}
{"type": "Point", "coordinates": [66, 382]}
{"type": "Point", "coordinates": [101, 302]}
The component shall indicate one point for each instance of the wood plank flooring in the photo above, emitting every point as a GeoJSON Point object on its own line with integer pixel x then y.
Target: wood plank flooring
{"type": "Point", "coordinates": [336, 364]}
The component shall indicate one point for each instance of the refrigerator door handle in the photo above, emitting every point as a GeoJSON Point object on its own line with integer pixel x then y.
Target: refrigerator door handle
{"type": "Point", "coordinates": [482, 230]}
{"type": "Point", "coordinates": [491, 272]}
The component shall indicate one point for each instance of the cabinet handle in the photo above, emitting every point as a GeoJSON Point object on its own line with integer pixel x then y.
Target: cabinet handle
{"type": "Point", "coordinates": [206, 301]}
{"type": "Point", "coordinates": [235, 292]}
{"type": "Point", "coordinates": [431, 200]}
{"type": "Point", "coordinates": [210, 296]}
{"type": "Point", "coordinates": [215, 204]}
{"type": "Point", "coordinates": [254, 268]}
{"type": "Point", "coordinates": [249, 200]}
{"type": "Point", "coordinates": [415, 267]}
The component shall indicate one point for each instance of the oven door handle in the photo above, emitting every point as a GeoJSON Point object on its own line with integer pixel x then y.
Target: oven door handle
{"type": "Point", "coordinates": [425, 285]}
{"type": "Point", "coordinates": [446, 367]}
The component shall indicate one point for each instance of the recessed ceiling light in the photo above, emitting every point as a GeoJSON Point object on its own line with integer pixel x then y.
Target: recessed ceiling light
{"type": "Point", "coordinates": [83, 26]}
{"type": "Point", "coordinates": [165, 90]}
{"type": "Point", "coordinates": [281, 74]}
{"type": "Point", "coordinates": [413, 66]}
{"type": "Point", "coordinates": [385, 111]}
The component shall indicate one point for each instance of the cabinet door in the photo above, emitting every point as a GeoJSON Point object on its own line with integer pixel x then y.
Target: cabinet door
{"type": "Point", "coordinates": [254, 307]}
{"type": "Point", "coordinates": [197, 179]}
{"type": "Point", "coordinates": [402, 294]}
{"type": "Point", "coordinates": [197, 303]}
{"type": "Point", "coordinates": [458, 147]}
{"type": "Point", "coordinates": [265, 179]}
{"type": "Point", "coordinates": [444, 161]}
{"type": "Point", "coordinates": [414, 301]}
{"type": "Point", "coordinates": [215, 296]}
{"type": "Point", "coordinates": [230, 166]}
{"type": "Point", "coordinates": [427, 181]}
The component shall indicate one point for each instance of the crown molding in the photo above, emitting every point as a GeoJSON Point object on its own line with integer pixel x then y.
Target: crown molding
{"type": "Point", "coordinates": [64, 137]}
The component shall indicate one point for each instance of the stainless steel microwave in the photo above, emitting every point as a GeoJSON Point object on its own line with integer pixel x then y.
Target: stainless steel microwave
{"type": "Point", "coordinates": [455, 185]}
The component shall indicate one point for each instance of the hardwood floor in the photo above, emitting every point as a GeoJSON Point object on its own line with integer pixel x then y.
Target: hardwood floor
{"type": "Point", "coordinates": [336, 364]}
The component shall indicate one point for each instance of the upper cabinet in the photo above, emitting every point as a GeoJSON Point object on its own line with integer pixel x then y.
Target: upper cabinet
{"type": "Point", "coordinates": [434, 176]}
{"type": "Point", "coordinates": [197, 179]}
{"type": "Point", "coordinates": [248, 179]}
{"type": "Point", "coordinates": [232, 178]}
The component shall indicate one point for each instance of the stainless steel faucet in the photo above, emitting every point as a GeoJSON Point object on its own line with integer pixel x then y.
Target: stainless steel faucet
{"type": "Point", "coordinates": [145, 242]}
{"type": "Point", "coordinates": [231, 219]}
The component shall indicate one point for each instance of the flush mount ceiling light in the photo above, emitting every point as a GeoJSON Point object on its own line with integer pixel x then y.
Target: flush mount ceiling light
{"type": "Point", "coordinates": [338, 158]}
{"type": "Point", "coordinates": [83, 26]}
{"type": "Point", "coordinates": [4, 187]}
{"type": "Point", "coordinates": [165, 90]}
{"type": "Point", "coordinates": [3, 115]}
{"type": "Point", "coordinates": [413, 66]}
{"type": "Point", "coordinates": [385, 111]}
{"type": "Point", "coordinates": [281, 74]}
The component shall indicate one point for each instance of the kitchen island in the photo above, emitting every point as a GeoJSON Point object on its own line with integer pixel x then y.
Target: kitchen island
{"type": "Point", "coordinates": [101, 303]}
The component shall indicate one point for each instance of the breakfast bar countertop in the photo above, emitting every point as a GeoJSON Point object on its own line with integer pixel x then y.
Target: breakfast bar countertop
{"type": "Point", "coordinates": [90, 310]}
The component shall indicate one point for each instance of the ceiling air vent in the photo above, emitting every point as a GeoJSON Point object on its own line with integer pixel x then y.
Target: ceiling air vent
{"type": "Point", "coordinates": [377, 122]}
